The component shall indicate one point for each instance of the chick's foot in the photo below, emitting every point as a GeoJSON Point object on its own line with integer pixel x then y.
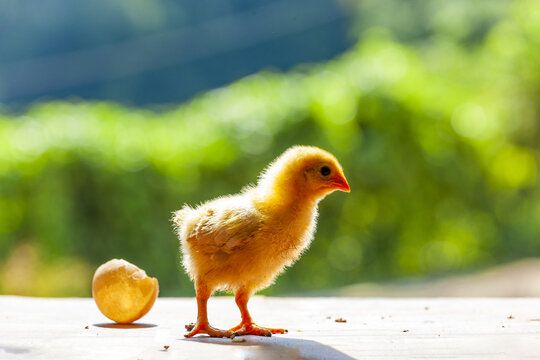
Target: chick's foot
{"type": "Point", "coordinates": [205, 328]}
{"type": "Point", "coordinates": [253, 329]}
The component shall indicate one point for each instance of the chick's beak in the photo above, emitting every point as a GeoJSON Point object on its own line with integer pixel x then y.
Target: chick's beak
{"type": "Point", "coordinates": [340, 183]}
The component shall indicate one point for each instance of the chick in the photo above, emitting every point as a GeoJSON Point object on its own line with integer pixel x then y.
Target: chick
{"type": "Point", "coordinates": [240, 243]}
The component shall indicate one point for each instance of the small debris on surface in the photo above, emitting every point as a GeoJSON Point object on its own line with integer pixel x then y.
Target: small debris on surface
{"type": "Point", "coordinates": [190, 326]}
{"type": "Point", "coordinates": [503, 326]}
{"type": "Point", "coordinates": [166, 347]}
{"type": "Point", "coordinates": [510, 317]}
{"type": "Point", "coordinates": [328, 317]}
{"type": "Point", "coordinates": [342, 320]}
{"type": "Point", "coordinates": [405, 331]}
{"type": "Point", "coordinates": [240, 340]}
{"type": "Point", "coordinates": [299, 330]}
{"type": "Point", "coordinates": [382, 317]}
{"type": "Point", "coordinates": [86, 327]}
{"type": "Point", "coordinates": [438, 334]}
{"type": "Point", "coordinates": [426, 308]}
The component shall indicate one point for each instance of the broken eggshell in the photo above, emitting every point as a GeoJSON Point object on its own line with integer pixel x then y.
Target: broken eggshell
{"type": "Point", "coordinates": [123, 292]}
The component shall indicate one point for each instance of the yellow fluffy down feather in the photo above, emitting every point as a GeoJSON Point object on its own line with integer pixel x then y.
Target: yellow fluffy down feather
{"type": "Point", "coordinates": [242, 242]}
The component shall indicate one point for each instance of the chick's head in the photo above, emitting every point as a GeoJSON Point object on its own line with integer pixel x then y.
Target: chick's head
{"type": "Point", "coordinates": [324, 176]}
{"type": "Point", "coordinates": [307, 171]}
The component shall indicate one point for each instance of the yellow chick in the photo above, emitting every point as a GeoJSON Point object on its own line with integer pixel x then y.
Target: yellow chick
{"type": "Point", "coordinates": [240, 243]}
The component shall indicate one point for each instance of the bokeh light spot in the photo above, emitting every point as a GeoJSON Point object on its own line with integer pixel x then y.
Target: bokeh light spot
{"type": "Point", "coordinates": [514, 167]}
{"type": "Point", "coordinates": [469, 120]}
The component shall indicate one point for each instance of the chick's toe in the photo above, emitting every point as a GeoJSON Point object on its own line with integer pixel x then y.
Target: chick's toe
{"type": "Point", "coordinates": [254, 329]}
{"type": "Point", "coordinates": [205, 328]}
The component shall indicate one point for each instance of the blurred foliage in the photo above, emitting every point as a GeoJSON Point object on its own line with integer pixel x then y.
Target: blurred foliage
{"type": "Point", "coordinates": [439, 141]}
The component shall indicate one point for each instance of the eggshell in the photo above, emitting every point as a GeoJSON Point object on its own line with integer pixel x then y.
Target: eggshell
{"type": "Point", "coordinates": [123, 292]}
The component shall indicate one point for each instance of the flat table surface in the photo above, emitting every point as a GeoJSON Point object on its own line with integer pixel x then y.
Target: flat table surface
{"type": "Point", "coordinates": [44, 328]}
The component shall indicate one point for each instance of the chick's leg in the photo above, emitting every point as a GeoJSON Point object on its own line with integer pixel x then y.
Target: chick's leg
{"type": "Point", "coordinates": [202, 326]}
{"type": "Point", "coordinates": [247, 326]}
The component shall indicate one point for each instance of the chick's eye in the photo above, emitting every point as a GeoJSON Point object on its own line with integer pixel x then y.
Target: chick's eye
{"type": "Point", "coordinates": [325, 170]}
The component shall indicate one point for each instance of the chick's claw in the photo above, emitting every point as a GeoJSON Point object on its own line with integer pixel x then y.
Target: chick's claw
{"type": "Point", "coordinates": [253, 329]}
{"type": "Point", "coordinates": [205, 328]}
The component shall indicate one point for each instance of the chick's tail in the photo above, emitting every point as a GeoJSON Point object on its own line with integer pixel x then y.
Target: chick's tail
{"type": "Point", "coordinates": [180, 216]}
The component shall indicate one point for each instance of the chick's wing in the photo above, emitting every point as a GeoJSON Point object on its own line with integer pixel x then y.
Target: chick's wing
{"type": "Point", "coordinates": [224, 228]}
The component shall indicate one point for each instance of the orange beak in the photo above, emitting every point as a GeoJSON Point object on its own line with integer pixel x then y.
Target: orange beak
{"type": "Point", "coordinates": [341, 183]}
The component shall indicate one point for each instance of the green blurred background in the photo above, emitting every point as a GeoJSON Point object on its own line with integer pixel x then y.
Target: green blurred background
{"type": "Point", "coordinates": [431, 107]}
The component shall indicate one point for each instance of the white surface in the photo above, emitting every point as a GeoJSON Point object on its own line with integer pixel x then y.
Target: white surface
{"type": "Point", "coordinates": [37, 328]}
